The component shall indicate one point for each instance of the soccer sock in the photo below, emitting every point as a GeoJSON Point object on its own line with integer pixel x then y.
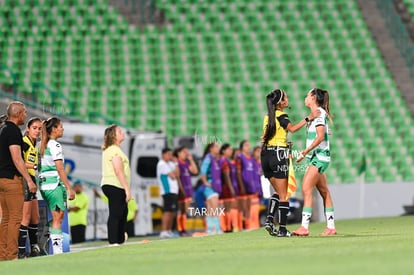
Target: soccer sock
{"type": "Point", "coordinates": [33, 234]}
{"type": "Point", "coordinates": [184, 221]}
{"type": "Point", "coordinates": [22, 239]}
{"type": "Point", "coordinates": [229, 218]}
{"type": "Point", "coordinates": [330, 219]}
{"type": "Point", "coordinates": [241, 220]}
{"type": "Point", "coordinates": [56, 239]}
{"type": "Point", "coordinates": [223, 222]}
{"type": "Point", "coordinates": [273, 206]}
{"type": "Point", "coordinates": [254, 215]}
{"type": "Point", "coordinates": [217, 224]}
{"type": "Point", "coordinates": [234, 214]}
{"type": "Point", "coordinates": [179, 222]}
{"type": "Point", "coordinates": [283, 212]}
{"type": "Point", "coordinates": [247, 224]}
{"type": "Point", "coordinates": [306, 216]}
{"type": "Point", "coordinates": [210, 224]}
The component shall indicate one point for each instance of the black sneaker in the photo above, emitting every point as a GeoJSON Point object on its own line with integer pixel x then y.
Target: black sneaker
{"type": "Point", "coordinates": [270, 228]}
{"type": "Point", "coordinates": [35, 251]}
{"type": "Point", "coordinates": [22, 256]}
{"type": "Point", "coordinates": [283, 233]}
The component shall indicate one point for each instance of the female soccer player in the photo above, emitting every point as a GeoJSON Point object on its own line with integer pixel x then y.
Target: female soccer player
{"type": "Point", "coordinates": [318, 154]}
{"type": "Point", "coordinates": [275, 160]}
{"type": "Point", "coordinates": [54, 184]}
{"type": "Point", "coordinates": [245, 177]}
{"type": "Point", "coordinates": [187, 168]}
{"type": "Point", "coordinates": [228, 194]}
{"type": "Point", "coordinates": [30, 219]}
{"type": "Point", "coordinates": [255, 199]}
{"type": "Point", "coordinates": [211, 177]}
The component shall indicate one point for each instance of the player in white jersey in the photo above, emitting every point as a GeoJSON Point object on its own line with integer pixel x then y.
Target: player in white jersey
{"type": "Point", "coordinates": [318, 154]}
{"type": "Point", "coordinates": [53, 181]}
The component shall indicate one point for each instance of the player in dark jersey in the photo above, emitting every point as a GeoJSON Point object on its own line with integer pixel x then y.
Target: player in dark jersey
{"type": "Point", "coordinates": [187, 168]}
{"type": "Point", "coordinates": [30, 219]}
{"type": "Point", "coordinates": [255, 199]}
{"type": "Point", "coordinates": [228, 193]}
{"type": "Point", "coordinates": [245, 177]}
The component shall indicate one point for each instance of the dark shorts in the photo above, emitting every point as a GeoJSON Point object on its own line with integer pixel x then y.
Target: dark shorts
{"type": "Point", "coordinates": [29, 196]}
{"type": "Point", "coordinates": [275, 163]}
{"type": "Point", "coordinates": [170, 202]}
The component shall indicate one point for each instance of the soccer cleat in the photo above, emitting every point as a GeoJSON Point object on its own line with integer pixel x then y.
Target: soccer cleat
{"type": "Point", "coordinates": [166, 235]}
{"type": "Point", "coordinates": [22, 256]}
{"type": "Point", "coordinates": [270, 228]}
{"type": "Point", "coordinates": [283, 233]}
{"type": "Point", "coordinates": [328, 232]}
{"type": "Point", "coordinates": [302, 231]}
{"type": "Point", "coordinates": [183, 233]}
{"type": "Point", "coordinates": [35, 251]}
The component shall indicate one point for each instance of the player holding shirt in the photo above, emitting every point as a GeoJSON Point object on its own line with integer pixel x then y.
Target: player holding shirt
{"type": "Point", "coordinates": [187, 168]}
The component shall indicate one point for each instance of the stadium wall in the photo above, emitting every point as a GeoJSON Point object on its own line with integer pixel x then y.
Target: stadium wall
{"type": "Point", "coordinates": [379, 200]}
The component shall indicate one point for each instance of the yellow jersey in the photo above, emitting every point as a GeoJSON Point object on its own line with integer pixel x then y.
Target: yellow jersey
{"type": "Point", "coordinates": [282, 121]}
{"type": "Point", "coordinates": [30, 154]}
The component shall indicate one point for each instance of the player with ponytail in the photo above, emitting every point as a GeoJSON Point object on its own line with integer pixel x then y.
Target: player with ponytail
{"type": "Point", "coordinates": [274, 157]}
{"type": "Point", "coordinates": [54, 184]}
{"type": "Point", "coordinates": [318, 154]}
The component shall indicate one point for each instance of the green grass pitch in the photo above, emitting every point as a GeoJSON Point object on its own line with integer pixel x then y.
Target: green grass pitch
{"type": "Point", "coordinates": [364, 246]}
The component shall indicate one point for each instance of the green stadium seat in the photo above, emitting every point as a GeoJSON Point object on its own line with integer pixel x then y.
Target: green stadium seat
{"type": "Point", "coordinates": [176, 76]}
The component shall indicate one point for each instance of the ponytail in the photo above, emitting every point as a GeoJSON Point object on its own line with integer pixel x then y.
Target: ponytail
{"type": "Point", "coordinates": [47, 127]}
{"type": "Point", "coordinates": [207, 149]}
{"type": "Point", "coordinates": [322, 99]}
{"type": "Point", "coordinates": [272, 99]}
{"type": "Point", "coordinates": [325, 105]}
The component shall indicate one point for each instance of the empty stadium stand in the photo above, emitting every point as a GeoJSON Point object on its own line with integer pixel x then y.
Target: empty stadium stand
{"type": "Point", "coordinates": [208, 69]}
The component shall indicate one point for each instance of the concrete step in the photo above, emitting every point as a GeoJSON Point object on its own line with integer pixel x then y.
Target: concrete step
{"type": "Point", "coordinates": [391, 54]}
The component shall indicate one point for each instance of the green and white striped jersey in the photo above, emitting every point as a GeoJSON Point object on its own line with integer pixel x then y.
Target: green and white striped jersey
{"type": "Point", "coordinates": [322, 150]}
{"type": "Point", "coordinates": [49, 177]}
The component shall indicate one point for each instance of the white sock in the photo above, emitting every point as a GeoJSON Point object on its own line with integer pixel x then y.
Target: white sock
{"type": "Point", "coordinates": [57, 243]}
{"type": "Point", "coordinates": [330, 218]}
{"type": "Point", "coordinates": [306, 216]}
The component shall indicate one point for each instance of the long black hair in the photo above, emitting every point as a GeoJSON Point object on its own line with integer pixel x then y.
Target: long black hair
{"type": "Point", "coordinates": [47, 127]}
{"type": "Point", "coordinates": [208, 148]}
{"type": "Point", "coordinates": [272, 99]}
{"type": "Point", "coordinates": [224, 147]}
{"type": "Point", "coordinates": [322, 99]}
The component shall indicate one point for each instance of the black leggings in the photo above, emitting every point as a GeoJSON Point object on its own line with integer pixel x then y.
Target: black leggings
{"type": "Point", "coordinates": [77, 233]}
{"type": "Point", "coordinates": [118, 211]}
